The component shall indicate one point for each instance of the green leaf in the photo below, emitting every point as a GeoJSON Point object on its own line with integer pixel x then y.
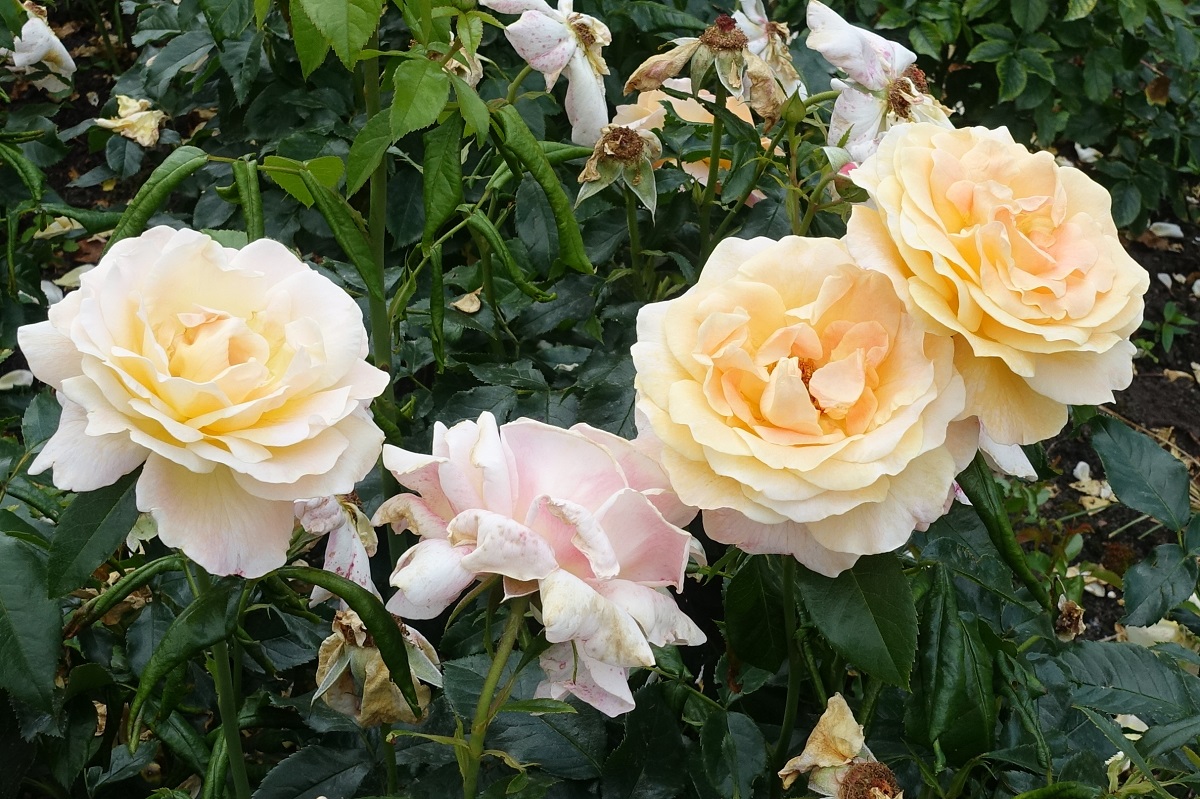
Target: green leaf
{"type": "Point", "coordinates": [227, 18]}
{"type": "Point", "coordinates": [1036, 63]}
{"type": "Point", "coordinates": [1142, 474]}
{"type": "Point", "coordinates": [29, 174]}
{"type": "Point", "coordinates": [346, 230]}
{"type": "Point", "coordinates": [1013, 77]}
{"type": "Point", "coordinates": [90, 530]}
{"type": "Point", "coordinates": [367, 151]}
{"type": "Point", "coordinates": [182, 51]}
{"type": "Point", "coordinates": [1078, 9]}
{"type": "Point", "coordinates": [345, 24]}
{"type": "Point", "coordinates": [316, 771]}
{"type": "Point", "coordinates": [261, 9]}
{"type": "Point", "coordinates": [473, 109]}
{"type": "Point", "coordinates": [650, 763]}
{"type": "Point", "coordinates": [1126, 203]}
{"type": "Point", "coordinates": [30, 634]}
{"type": "Point", "coordinates": [123, 156]}
{"type": "Point", "coordinates": [245, 176]}
{"type": "Point", "coordinates": [1117, 738]}
{"type": "Point", "coordinates": [735, 753]}
{"type": "Point", "coordinates": [867, 614]}
{"type": "Point", "coordinates": [568, 743]}
{"type": "Point", "coordinates": [1157, 584]}
{"type": "Point", "coordinates": [953, 679]}
{"type": "Point", "coordinates": [536, 706]}
{"type": "Point", "coordinates": [754, 614]}
{"type": "Point", "coordinates": [522, 375]}
{"type": "Point", "coordinates": [40, 420]}
{"type": "Point", "coordinates": [1128, 678]}
{"type": "Point", "coordinates": [177, 166]}
{"type": "Point", "coordinates": [442, 181]}
{"type": "Point", "coordinates": [536, 225]}
{"type": "Point", "coordinates": [1166, 738]}
{"type": "Point", "coordinates": [1191, 536]}
{"type": "Point", "coordinates": [1133, 14]}
{"type": "Point", "coordinates": [422, 89]}
{"type": "Point", "coordinates": [1029, 14]}
{"type": "Point", "coordinates": [209, 619]}
{"type": "Point", "coordinates": [241, 59]}
{"type": "Point", "coordinates": [311, 44]}
{"type": "Point", "coordinates": [989, 50]}
{"type": "Point", "coordinates": [1098, 79]}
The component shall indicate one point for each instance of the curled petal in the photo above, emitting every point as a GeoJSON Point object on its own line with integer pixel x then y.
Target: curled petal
{"type": "Point", "coordinates": [428, 578]}
{"type": "Point", "coordinates": [573, 611]}
{"type": "Point", "coordinates": [544, 41]}
{"type": "Point", "coordinates": [655, 612]}
{"type": "Point", "coordinates": [869, 59]}
{"type": "Point", "coordinates": [585, 104]}
{"type": "Point", "coordinates": [502, 546]}
{"type": "Point", "coordinates": [569, 671]}
{"type": "Point", "coordinates": [658, 68]}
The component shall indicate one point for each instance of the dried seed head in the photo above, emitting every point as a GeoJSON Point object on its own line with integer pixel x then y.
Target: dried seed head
{"type": "Point", "coordinates": [870, 780]}
{"type": "Point", "coordinates": [622, 144]}
{"type": "Point", "coordinates": [724, 34]}
{"type": "Point", "coordinates": [897, 98]}
{"type": "Point", "coordinates": [1069, 623]}
{"type": "Point", "coordinates": [917, 76]}
{"type": "Point", "coordinates": [584, 34]}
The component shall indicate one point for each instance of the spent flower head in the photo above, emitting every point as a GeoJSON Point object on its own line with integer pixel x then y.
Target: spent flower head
{"type": "Point", "coordinates": [769, 41]}
{"type": "Point", "coordinates": [837, 759]}
{"type": "Point", "coordinates": [623, 154]}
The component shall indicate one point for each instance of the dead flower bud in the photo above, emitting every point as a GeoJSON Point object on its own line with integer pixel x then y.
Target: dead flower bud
{"type": "Point", "coordinates": [837, 759]}
{"type": "Point", "coordinates": [625, 154]}
{"type": "Point", "coordinates": [1069, 623]}
{"type": "Point", "coordinates": [354, 681]}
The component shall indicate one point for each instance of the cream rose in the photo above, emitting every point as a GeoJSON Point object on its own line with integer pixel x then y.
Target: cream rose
{"type": "Point", "coordinates": [235, 376]}
{"type": "Point", "coordinates": [1015, 257]}
{"type": "Point", "coordinates": [799, 405]}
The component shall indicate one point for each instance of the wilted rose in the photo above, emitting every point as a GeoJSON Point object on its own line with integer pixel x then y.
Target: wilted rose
{"type": "Point", "coordinates": [799, 405]}
{"type": "Point", "coordinates": [235, 376]}
{"type": "Point", "coordinates": [1015, 257]}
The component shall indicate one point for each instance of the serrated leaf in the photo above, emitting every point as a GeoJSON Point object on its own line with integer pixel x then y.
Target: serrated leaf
{"type": "Point", "coordinates": [650, 761]}
{"type": "Point", "coordinates": [40, 420]}
{"type": "Point", "coordinates": [989, 50]}
{"type": "Point", "coordinates": [227, 18]}
{"type": "Point", "coordinates": [367, 151]}
{"type": "Point", "coordinates": [442, 181]}
{"type": "Point", "coordinates": [1126, 204]}
{"type": "Point", "coordinates": [90, 530]}
{"type": "Point", "coordinates": [30, 627]}
{"type": "Point", "coordinates": [1157, 584]}
{"type": "Point", "coordinates": [422, 89]}
{"type": "Point", "coordinates": [1013, 77]}
{"type": "Point", "coordinates": [184, 50]}
{"type": "Point", "coordinates": [473, 109]}
{"type": "Point", "coordinates": [867, 614]}
{"type": "Point", "coordinates": [311, 44]}
{"type": "Point", "coordinates": [345, 24]}
{"type": "Point", "coordinates": [241, 60]}
{"type": "Point", "coordinates": [1036, 63]}
{"type": "Point", "coordinates": [1078, 9]}
{"type": "Point", "coordinates": [735, 753]}
{"type": "Point", "coordinates": [536, 706]}
{"type": "Point", "coordinates": [1142, 474]}
{"type": "Point", "coordinates": [316, 771]}
{"type": "Point", "coordinates": [1029, 14]}
{"type": "Point", "coordinates": [754, 615]}
{"type": "Point", "coordinates": [522, 375]}
{"type": "Point", "coordinates": [1128, 678]}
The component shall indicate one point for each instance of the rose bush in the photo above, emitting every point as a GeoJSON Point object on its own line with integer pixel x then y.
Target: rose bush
{"type": "Point", "coordinates": [235, 378]}
{"type": "Point", "coordinates": [799, 405]}
{"type": "Point", "coordinates": [1015, 257]}
{"type": "Point", "coordinates": [579, 516]}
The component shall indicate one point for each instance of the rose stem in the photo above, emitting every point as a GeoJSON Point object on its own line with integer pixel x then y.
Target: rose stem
{"type": "Point", "coordinates": [483, 707]}
{"type": "Point", "coordinates": [779, 757]}
{"type": "Point", "coordinates": [644, 277]}
{"type": "Point", "coordinates": [714, 165]}
{"type": "Point", "coordinates": [227, 703]}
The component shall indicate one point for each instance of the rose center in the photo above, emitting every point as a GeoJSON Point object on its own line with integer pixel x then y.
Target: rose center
{"type": "Point", "coordinates": [210, 342]}
{"type": "Point", "coordinates": [724, 35]}
{"type": "Point", "coordinates": [869, 780]}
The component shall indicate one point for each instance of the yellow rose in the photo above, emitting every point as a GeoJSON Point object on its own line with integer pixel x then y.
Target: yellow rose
{"type": "Point", "coordinates": [234, 378]}
{"type": "Point", "coordinates": [799, 405]}
{"type": "Point", "coordinates": [1015, 257]}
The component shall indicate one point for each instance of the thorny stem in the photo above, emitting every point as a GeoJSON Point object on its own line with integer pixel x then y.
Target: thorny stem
{"type": "Point", "coordinates": [714, 167]}
{"type": "Point", "coordinates": [644, 277]}
{"type": "Point", "coordinates": [814, 200]}
{"type": "Point", "coordinates": [483, 708]}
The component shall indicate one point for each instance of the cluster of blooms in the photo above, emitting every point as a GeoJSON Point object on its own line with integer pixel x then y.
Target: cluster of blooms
{"type": "Point", "coordinates": [813, 397]}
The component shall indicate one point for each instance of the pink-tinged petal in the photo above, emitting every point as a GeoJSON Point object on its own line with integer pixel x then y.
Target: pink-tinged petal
{"type": "Point", "coordinates": [543, 41]}
{"type": "Point", "coordinates": [213, 520]}
{"type": "Point", "coordinates": [868, 58]}
{"type": "Point", "coordinates": [569, 672]}
{"type": "Point", "coordinates": [579, 543]}
{"type": "Point", "coordinates": [651, 550]}
{"type": "Point", "coordinates": [459, 478]}
{"type": "Point", "coordinates": [785, 538]}
{"type": "Point", "coordinates": [428, 578]}
{"type": "Point", "coordinates": [410, 512]}
{"type": "Point", "coordinates": [519, 6]}
{"type": "Point", "coordinates": [496, 468]}
{"type": "Point", "coordinates": [1007, 458]}
{"type": "Point", "coordinates": [502, 546]}
{"type": "Point", "coordinates": [52, 356]}
{"type": "Point", "coordinates": [573, 611]}
{"type": "Point", "coordinates": [346, 556]}
{"type": "Point", "coordinates": [419, 473]}
{"type": "Point", "coordinates": [585, 104]}
{"type": "Point", "coordinates": [663, 623]}
{"type": "Point", "coordinates": [639, 461]}
{"type": "Point", "coordinates": [83, 462]}
{"type": "Point", "coordinates": [857, 119]}
{"type": "Point", "coordinates": [558, 463]}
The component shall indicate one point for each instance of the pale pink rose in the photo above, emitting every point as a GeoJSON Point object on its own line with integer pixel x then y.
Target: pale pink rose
{"type": "Point", "coordinates": [885, 86]}
{"type": "Point", "coordinates": [799, 405]}
{"type": "Point", "coordinates": [1015, 257]}
{"type": "Point", "coordinates": [570, 514]}
{"type": "Point", "coordinates": [234, 377]}
{"type": "Point", "coordinates": [557, 40]}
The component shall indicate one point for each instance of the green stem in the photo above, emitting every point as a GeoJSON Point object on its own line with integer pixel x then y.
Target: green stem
{"type": "Point", "coordinates": [779, 757]}
{"type": "Point", "coordinates": [870, 697]}
{"type": "Point", "coordinates": [227, 704]}
{"type": "Point", "coordinates": [714, 167]}
{"type": "Point", "coordinates": [483, 708]}
{"type": "Point", "coordinates": [814, 202]}
{"type": "Point", "coordinates": [515, 86]}
{"type": "Point", "coordinates": [644, 278]}
{"type": "Point", "coordinates": [759, 171]}
{"type": "Point", "coordinates": [819, 98]}
{"type": "Point", "coordinates": [389, 760]}
{"type": "Point", "coordinates": [810, 660]}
